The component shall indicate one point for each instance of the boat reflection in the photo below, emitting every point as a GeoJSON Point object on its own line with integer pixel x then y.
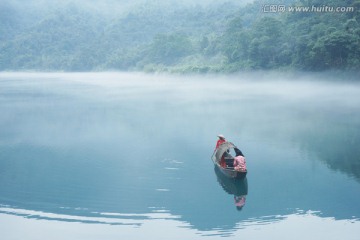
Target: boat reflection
{"type": "Point", "coordinates": [236, 187]}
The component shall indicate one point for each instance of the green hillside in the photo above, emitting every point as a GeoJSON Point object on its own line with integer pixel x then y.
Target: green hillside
{"type": "Point", "coordinates": [224, 37]}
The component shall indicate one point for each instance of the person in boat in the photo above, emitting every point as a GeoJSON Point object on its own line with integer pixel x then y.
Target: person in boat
{"type": "Point", "coordinates": [240, 163]}
{"type": "Point", "coordinates": [220, 141]}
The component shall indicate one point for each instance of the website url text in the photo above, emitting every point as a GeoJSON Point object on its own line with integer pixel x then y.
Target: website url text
{"type": "Point", "coordinates": [278, 8]}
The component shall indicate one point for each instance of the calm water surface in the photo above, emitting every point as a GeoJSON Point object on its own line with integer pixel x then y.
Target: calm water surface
{"type": "Point", "coordinates": [127, 156]}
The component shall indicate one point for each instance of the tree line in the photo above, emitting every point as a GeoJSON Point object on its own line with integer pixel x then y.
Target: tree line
{"type": "Point", "coordinates": [215, 38]}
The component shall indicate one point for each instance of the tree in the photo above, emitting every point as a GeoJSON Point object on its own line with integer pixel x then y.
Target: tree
{"type": "Point", "coordinates": [267, 42]}
{"type": "Point", "coordinates": [235, 41]}
{"type": "Point", "coordinates": [168, 49]}
{"type": "Point", "coordinates": [334, 49]}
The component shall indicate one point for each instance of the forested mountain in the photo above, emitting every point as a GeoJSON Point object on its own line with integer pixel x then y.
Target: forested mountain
{"type": "Point", "coordinates": [173, 36]}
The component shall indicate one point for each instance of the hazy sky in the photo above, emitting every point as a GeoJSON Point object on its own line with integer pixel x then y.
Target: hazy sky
{"type": "Point", "coordinates": [36, 9]}
{"type": "Point", "coordinates": [111, 3]}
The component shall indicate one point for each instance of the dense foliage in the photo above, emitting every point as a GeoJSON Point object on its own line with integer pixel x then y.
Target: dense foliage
{"type": "Point", "coordinates": [213, 38]}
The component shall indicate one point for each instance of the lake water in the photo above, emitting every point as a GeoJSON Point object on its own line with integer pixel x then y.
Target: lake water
{"type": "Point", "coordinates": [127, 156]}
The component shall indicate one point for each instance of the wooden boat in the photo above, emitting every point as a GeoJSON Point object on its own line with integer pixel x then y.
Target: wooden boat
{"type": "Point", "coordinates": [226, 152]}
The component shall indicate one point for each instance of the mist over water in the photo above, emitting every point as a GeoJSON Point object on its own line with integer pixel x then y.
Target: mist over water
{"type": "Point", "coordinates": [130, 154]}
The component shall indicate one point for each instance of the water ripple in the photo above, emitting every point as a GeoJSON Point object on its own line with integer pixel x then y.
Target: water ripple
{"type": "Point", "coordinates": [97, 217]}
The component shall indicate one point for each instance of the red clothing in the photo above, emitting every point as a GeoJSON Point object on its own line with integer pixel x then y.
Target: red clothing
{"type": "Point", "coordinates": [222, 162]}
{"type": "Point", "coordinates": [219, 142]}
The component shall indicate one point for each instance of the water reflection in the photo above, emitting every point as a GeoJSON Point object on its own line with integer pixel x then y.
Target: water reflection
{"type": "Point", "coordinates": [233, 186]}
{"type": "Point", "coordinates": [335, 143]}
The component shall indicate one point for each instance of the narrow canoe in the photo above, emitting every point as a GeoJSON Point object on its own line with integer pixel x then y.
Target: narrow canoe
{"type": "Point", "coordinates": [228, 151]}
